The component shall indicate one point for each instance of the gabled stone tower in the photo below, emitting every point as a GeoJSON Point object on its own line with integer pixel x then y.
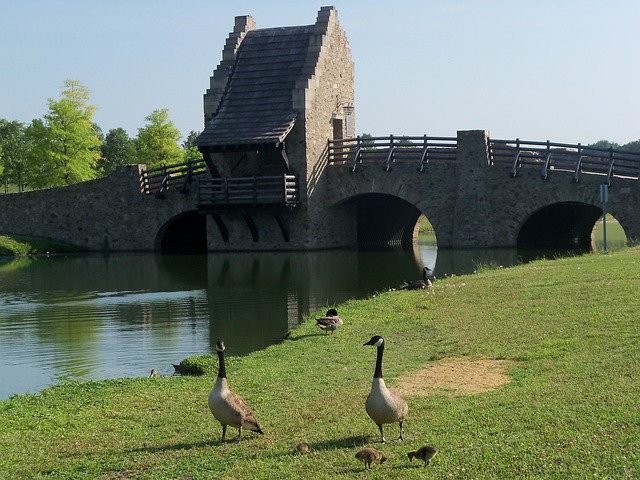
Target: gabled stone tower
{"type": "Point", "coordinates": [276, 98]}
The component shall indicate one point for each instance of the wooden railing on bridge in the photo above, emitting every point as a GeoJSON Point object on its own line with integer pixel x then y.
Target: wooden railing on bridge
{"type": "Point", "coordinates": [577, 159]}
{"type": "Point", "coordinates": [386, 151]}
{"type": "Point", "coordinates": [176, 176]}
{"type": "Point", "coordinates": [277, 191]}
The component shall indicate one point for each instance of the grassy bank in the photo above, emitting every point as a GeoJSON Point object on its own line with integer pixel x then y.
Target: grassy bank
{"type": "Point", "coordinates": [18, 245]}
{"type": "Point", "coordinates": [567, 331]}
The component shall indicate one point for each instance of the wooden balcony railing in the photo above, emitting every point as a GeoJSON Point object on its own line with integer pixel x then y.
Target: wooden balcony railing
{"type": "Point", "coordinates": [277, 191]}
{"type": "Point", "coordinates": [176, 176]}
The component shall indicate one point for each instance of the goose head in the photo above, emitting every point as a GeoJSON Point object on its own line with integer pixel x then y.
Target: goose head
{"type": "Point", "coordinates": [376, 341]}
{"type": "Point", "coordinates": [220, 346]}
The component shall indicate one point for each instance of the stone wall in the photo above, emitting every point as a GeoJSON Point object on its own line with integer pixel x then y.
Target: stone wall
{"type": "Point", "coordinates": [326, 94]}
{"type": "Point", "coordinates": [108, 214]}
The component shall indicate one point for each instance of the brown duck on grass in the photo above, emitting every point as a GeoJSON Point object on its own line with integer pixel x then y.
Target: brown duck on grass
{"type": "Point", "coordinates": [370, 455]}
{"type": "Point", "coordinates": [331, 322]}
{"type": "Point", "coordinates": [227, 407]}
{"type": "Point", "coordinates": [384, 405]}
{"type": "Point", "coordinates": [425, 454]}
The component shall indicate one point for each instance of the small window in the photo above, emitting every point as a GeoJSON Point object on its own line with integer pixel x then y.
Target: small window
{"type": "Point", "coordinates": [337, 128]}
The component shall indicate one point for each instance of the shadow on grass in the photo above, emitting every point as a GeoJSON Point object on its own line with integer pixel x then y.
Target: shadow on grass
{"type": "Point", "coordinates": [349, 442]}
{"type": "Point", "coordinates": [301, 337]}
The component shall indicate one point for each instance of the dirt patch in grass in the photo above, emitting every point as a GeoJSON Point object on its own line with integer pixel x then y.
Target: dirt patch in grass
{"type": "Point", "coordinates": [456, 376]}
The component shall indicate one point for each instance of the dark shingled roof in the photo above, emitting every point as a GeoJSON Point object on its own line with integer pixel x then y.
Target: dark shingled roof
{"type": "Point", "coordinates": [257, 105]}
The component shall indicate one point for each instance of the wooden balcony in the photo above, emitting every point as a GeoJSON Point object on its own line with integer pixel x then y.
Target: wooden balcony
{"type": "Point", "coordinates": [237, 192]}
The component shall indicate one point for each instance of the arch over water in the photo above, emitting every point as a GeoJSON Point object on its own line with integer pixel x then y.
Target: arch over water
{"type": "Point", "coordinates": [560, 225]}
{"type": "Point", "coordinates": [184, 233]}
{"type": "Point", "coordinates": [384, 220]}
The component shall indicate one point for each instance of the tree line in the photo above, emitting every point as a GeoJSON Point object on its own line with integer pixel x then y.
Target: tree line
{"type": "Point", "coordinates": [65, 146]}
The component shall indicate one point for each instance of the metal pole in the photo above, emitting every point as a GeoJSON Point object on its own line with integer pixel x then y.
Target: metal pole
{"type": "Point", "coordinates": [604, 225]}
{"type": "Point", "coordinates": [604, 196]}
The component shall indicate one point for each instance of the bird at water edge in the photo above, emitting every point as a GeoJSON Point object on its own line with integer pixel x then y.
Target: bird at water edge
{"type": "Point", "coordinates": [426, 281]}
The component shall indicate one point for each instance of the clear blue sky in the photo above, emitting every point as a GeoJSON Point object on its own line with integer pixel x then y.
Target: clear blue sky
{"type": "Point", "coordinates": [563, 70]}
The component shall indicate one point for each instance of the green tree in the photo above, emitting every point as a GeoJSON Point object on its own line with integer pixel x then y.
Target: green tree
{"type": "Point", "coordinates": [605, 144]}
{"type": "Point", "coordinates": [632, 146]}
{"type": "Point", "coordinates": [13, 144]}
{"type": "Point", "coordinates": [71, 151]}
{"type": "Point", "coordinates": [191, 152]}
{"type": "Point", "coordinates": [157, 142]}
{"type": "Point", "coordinates": [37, 172]}
{"type": "Point", "coordinates": [117, 149]}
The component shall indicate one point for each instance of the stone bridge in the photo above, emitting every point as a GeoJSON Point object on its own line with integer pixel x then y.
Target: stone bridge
{"type": "Point", "coordinates": [472, 199]}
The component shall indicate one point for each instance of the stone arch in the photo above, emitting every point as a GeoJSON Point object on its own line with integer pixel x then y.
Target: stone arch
{"type": "Point", "coordinates": [566, 224]}
{"type": "Point", "coordinates": [384, 220]}
{"type": "Point", "coordinates": [183, 233]}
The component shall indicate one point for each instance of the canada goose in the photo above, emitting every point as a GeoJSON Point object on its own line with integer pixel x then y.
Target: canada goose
{"type": "Point", "coordinates": [227, 407]}
{"type": "Point", "coordinates": [426, 281]}
{"type": "Point", "coordinates": [384, 405]}
{"type": "Point", "coordinates": [370, 455]}
{"type": "Point", "coordinates": [425, 453]}
{"type": "Point", "coordinates": [331, 322]}
{"type": "Point", "coordinates": [153, 373]}
{"type": "Point", "coordinates": [303, 448]}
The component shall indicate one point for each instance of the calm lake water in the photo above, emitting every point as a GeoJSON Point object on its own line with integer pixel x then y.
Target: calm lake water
{"type": "Point", "coordinates": [92, 317]}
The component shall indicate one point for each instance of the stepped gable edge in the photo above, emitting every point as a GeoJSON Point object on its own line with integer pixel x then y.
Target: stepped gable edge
{"type": "Point", "coordinates": [260, 86]}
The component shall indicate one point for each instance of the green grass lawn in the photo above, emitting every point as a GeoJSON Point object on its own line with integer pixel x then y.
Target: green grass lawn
{"type": "Point", "coordinates": [19, 245]}
{"type": "Point", "coordinates": [616, 237]}
{"type": "Point", "coordinates": [567, 327]}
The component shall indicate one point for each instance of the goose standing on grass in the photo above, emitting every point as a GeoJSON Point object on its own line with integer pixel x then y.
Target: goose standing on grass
{"type": "Point", "coordinates": [227, 407]}
{"type": "Point", "coordinates": [384, 405]}
{"type": "Point", "coordinates": [425, 454]}
{"type": "Point", "coordinates": [426, 281]}
{"type": "Point", "coordinates": [331, 322]}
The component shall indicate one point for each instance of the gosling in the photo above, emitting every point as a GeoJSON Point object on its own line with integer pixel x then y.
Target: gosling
{"type": "Point", "coordinates": [303, 448]}
{"type": "Point", "coordinates": [370, 455]}
{"type": "Point", "coordinates": [425, 454]}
